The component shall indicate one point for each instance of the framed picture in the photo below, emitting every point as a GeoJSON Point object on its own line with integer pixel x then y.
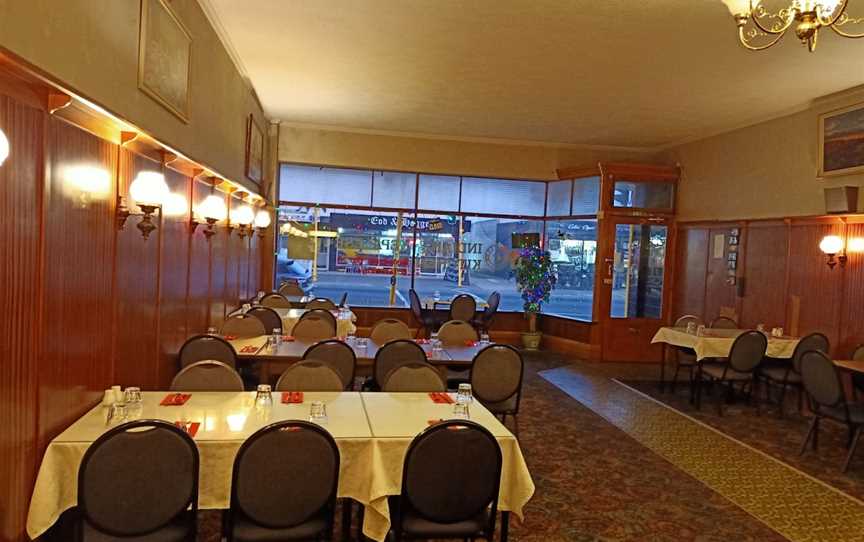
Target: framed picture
{"type": "Point", "coordinates": [164, 57]}
{"type": "Point", "coordinates": [841, 141]}
{"type": "Point", "coordinates": [254, 151]}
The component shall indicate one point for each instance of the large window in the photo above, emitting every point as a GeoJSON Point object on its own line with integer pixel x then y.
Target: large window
{"type": "Point", "coordinates": [339, 231]}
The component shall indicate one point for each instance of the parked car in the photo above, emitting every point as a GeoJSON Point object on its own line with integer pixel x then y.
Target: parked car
{"type": "Point", "coordinates": [291, 270]}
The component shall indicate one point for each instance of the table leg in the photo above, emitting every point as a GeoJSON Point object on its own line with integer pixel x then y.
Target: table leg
{"type": "Point", "coordinates": [505, 526]}
{"type": "Point", "coordinates": [346, 519]}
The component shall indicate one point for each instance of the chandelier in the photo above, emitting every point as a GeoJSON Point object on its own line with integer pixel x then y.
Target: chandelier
{"type": "Point", "coordinates": [759, 27]}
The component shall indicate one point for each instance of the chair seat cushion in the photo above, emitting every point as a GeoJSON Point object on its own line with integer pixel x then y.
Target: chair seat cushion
{"type": "Point", "coordinates": [779, 373]}
{"type": "Point", "coordinates": [176, 531]}
{"type": "Point", "coordinates": [415, 526]}
{"type": "Point", "coordinates": [247, 531]}
{"type": "Point", "coordinates": [856, 413]}
{"type": "Point", "coordinates": [507, 406]}
{"type": "Point", "coordinates": [717, 372]}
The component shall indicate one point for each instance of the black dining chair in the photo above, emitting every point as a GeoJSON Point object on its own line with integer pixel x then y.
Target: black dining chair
{"type": "Point", "coordinates": [207, 347]}
{"type": "Point", "coordinates": [723, 322]}
{"type": "Point", "coordinates": [293, 498]}
{"type": "Point", "coordinates": [207, 375]}
{"type": "Point", "coordinates": [858, 378]}
{"type": "Point", "coordinates": [496, 381]}
{"type": "Point", "coordinates": [684, 357]}
{"type": "Point", "coordinates": [321, 303]}
{"type": "Point", "coordinates": [484, 320]}
{"type": "Point", "coordinates": [746, 354]}
{"type": "Point", "coordinates": [321, 313]}
{"type": "Point", "coordinates": [242, 326]}
{"type": "Point", "coordinates": [269, 317]}
{"type": "Point", "coordinates": [788, 375]}
{"type": "Point", "coordinates": [425, 318]}
{"type": "Point", "coordinates": [139, 481]}
{"type": "Point", "coordinates": [389, 329]}
{"type": "Point", "coordinates": [822, 382]}
{"type": "Point", "coordinates": [310, 375]}
{"type": "Point", "coordinates": [463, 307]}
{"type": "Point", "coordinates": [392, 355]}
{"type": "Point", "coordinates": [276, 301]}
{"type": "Point", "coordinates": [452, 499]}
{"type": "Point", "coordinates": [414, 377]}
{"type": "Point", "coordinates": [338, 356]}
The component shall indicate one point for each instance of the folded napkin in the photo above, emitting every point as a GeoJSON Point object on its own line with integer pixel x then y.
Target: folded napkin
{"type": "Point", "coordinates": [191, 428]}
{"type": "Point", "coordinates": [249, 349]}
{"type": "Point", "coordinates": [470, 343]}
{"type": "Point", "coordinates": [288, 338]}
{"type": "Point", "coordinates": [421, 341]}
{"type": "Point", "coordinates": [175, 399]}
{"type": "Point", "coordinates": [229, 337]}
{"type": "Point", "coordinates": [433, 422]}
{"type": "Point", "coordinates": [292, 397]}
{"type": "Point", "coordinates": [441, 398]}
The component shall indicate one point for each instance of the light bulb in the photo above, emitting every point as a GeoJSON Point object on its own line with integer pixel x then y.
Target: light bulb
{"type": "Point", "coordinates": [856, 244]}
{"type": "Point", "coordinates": [262, 219]}
{"type": "Point", "coordinates": [831, 244]}
{"type": "Point", "coordinates": [213, 207]}
{"type": "Point", "coordinates": [243, 215]}
{"type": "Point", "coordinates": [175, 205]}
{"type": "Point", "coordinates": [88, 179]}
{"type": "Point", "coordinates": [149, 188]}
{"type": "Point", "coordinates": [4, 147]}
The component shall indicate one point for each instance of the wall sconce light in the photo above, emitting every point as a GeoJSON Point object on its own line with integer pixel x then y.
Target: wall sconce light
{"type": "Point", "coordinates": [175, 205]}
{"type": "Point", "coordinates": [832, 247]}
{"type": "Point", "coordinates": [262, 222]}
{"type": "Point", "coordinates": [4, 147]}
{"type": "Point", "coordinates": [213, 210]}
{"type": "Point", "coordinates": [149, 191]}
{"type": "Point", "coordinates": [244, 216]}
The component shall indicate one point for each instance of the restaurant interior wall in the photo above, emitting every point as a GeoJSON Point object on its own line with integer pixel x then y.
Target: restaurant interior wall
{"type": "Point", "coordinates": [86, 305]}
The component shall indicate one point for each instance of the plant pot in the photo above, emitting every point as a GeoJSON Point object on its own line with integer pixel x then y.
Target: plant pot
{"type": "Point", "coordinates": [531, 340]}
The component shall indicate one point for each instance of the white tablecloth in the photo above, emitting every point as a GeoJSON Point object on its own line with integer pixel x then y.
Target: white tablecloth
{"type": "Point", "coordinates": [370, 467]}
{"type": "Point", "coordinates": [716, 343]}
{"type": "Point", "coordinates": [290, 317]}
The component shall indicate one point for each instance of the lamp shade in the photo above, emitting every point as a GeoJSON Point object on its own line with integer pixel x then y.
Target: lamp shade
{"type": "Point", "coordinates": [4, 148]}
{"type": "Point", "coordinates": [243, 215]}
{"type": "Point", "coordinates": [213, 207]}
{"type": "Point", "coordinates": [262, 219]}
{"type": "Point", "coordinates": [149, 188]}
{"type": "Point", "coordinates": [831, 244]}
{"type": "Point", "coordinates": [739, 7]}
{"type": "Point", "coordinates": [175, 205]}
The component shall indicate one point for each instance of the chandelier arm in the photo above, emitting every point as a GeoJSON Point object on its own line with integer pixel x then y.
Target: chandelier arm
{"type": "Point", "coordinates": [844, 34]}
{"type": "Point", "coordinates": [743, 41]}
{"type": "Point", "coordinates": [781, 31]}
{"type": "Point", "coordinates": [839, 13]}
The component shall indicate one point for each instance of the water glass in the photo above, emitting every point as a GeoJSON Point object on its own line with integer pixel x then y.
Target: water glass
{"type": "Point", "coordinates": [270, 345]}
{"type": "Point", "coordinates": [436, 296]}
{"type": "Point", "coordinates": [460, 410]}
{"type": "Point", "coordinates": [691, 328]}
{"type": "Point", "coordinates": [464, 395]}
{"type": "Point", "coordinates": [777, 332]}
{"type": "Point", "coordinates": [211, 331]}
{"type": "Point", "coordinates": [263, 397]}
{"type": "Point", "coordinates": [318, 412]}
{"type": "Point", "coordinates": [760, 328]}
{"type": "Point", "coordinates": [246, 307]}
{"type": "Point", "coordinates": [277, 336]}
{"type": "Point", "coordinates": [436, 345]}
{"type": "Point", "coordinates": [362, 342]}
{"type": "Point", "coordinates": [351, 337]}
{"type": "Point", "coordinates": [700, 331]}
{"type": "Point", "coordinates": [484, 338]}
{"type": "Point", "coordinates": [133, 395]}
{"type": "Point", "coordinates": [117, 414]}
{"type": "Point", "coordinates": [260, 295]}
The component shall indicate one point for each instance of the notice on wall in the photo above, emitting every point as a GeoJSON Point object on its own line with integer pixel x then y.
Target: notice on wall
{"type": "Point", "coordinates": [719, 245]}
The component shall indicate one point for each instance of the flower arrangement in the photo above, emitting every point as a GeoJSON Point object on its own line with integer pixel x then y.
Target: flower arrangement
{"type": "Point", "coordinates": [535, 278]}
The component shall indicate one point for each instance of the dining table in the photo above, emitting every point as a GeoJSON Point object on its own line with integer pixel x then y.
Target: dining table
{"type": "Point", "coordinates": [432, 303]}
{"type": "Point", "coordinates": [345, 325]}
{"type": "Point", "coordinates": [372, 432]}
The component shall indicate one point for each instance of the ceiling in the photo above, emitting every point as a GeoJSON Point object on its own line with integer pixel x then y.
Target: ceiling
{"type": "Point", "coordinates": [625, 73]}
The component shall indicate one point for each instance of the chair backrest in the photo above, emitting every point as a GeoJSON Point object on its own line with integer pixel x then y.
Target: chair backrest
{"type": "Point", "coordinates": [682, 321]}
{"type": "Point", "coordinates": [747, 351]}
{"type": "Point", "coordinates": [291, 288]}
{"type": "Point", "coordinates": [268, 317]}
{"type": "Point", "coordinates": [491, 307]}
{"type": "Point", "coordinates": [813, 341]}
{"type": "Point", "coordinates": [284, 493]}
{"type": "Point", "coordinates": [313, 328]}
{"type": "Point", "coordinates": [321, 313]}
{"type": "Point", "coordinates": [463, 485]}
{"type": "Point", "coordinates": [243, 326]}
{"type": "Point", "coordinates": [344, 299]}
{"type": "Point", "coordinates": [275, 301]}
{"type": "Point", "coordinates": [496, 374]}
{"type": "Point", "coordinates": [821, 380]}
{"type": "Point", "coordinates": [416, 306]}
{"type": "Point", "coordinates": [389, 329]}
{"type": "Point", "coordinates": [463, 307]}
{"type": "Point", "coordinates": [202, 347]}
{"type": "Point", "coordinates": [208, 375]}
{"type": "Point", "coordinates": [309, 375]}
{"type": "Point", "coordinates": [414, 377]}
{"type": "Point", "coordinates": [138, 477]}
{"type": "Point", "coordinates": [723, 322]}
{"type": "Point", "coordinates": [338, 356]}
{"type": "Point", "coordinates": [394, 354]}
{"type": "Point", "coordinates": [456, 333]}
{"type": "Point", "coordinates": [321, 303]}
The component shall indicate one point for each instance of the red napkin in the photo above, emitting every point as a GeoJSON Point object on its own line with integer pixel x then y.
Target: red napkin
{"type": "Point", "coordinates": [288, 338]}
{"type": "Point", "coordinates": [470, 343]}
{"type": "Point", "coordinates": [175, 399]}
{"type": "Point", "coordinates": [249, 349]}
{"type": "Point", "coordinates": [433, 422]}
{"type": "Point", "coordinates": [292, 397]}
{"type": "Point", "coordinates": [229, 337]}
{"type": "Point", "coordinates": [421, 341]}
{"type": "Point", "coordinates": [190, 428]}
{"type": "Point", "coordinates": [441, 398]}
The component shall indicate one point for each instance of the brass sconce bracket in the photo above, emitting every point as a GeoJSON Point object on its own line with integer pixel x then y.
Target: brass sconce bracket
{"type": "Point", "coordinates": [834, 259]}
{"type": "Point", "coordinates": [122, 213]}
{"type": "Point", "coordinates": [146, 225]}
{"type": "Point", "coordinates": [210, 231]}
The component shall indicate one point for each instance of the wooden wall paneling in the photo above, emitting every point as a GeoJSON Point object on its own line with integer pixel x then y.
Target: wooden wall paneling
{"type": "Point", "coordinates": [198, 292]}
{"type": "Point", "coordinates": [245, 290]}
{"type": "Point", "coordinates": [258, 253]}
{"type": "Point", "coordinates": [233, 255]}
{"type": "Point", "coordinates": [136, 352]}
{"type": "Point", "coordinates": [690, 269]}
{"type": "Point", "coordinates": [718, 293]}
{"type": "Point", "coordinates": [813, 283]}
{"type": "Point", "coordinates": [20, 263]}
{"type": "Point", "coordinates": [174, 279]}
{"type": "Point", "coordinates": [218, 263]}
{"type": "Point", "coordinates": [852, 299]}
{"type": "Point", "coordinates": [75, 357]}
{"type": "Point", "coordinates": [764, 275]}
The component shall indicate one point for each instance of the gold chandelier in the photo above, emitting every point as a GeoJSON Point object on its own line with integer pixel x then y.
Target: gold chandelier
{"type": "Point", "coordinates": [766, 27]}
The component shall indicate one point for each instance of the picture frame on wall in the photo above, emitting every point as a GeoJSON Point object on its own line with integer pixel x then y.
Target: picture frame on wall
{"type": "Point", "coordinates": [164, 57]}
{"type": "Point", "coordinates": [841, 141]}
{"type": "Point", "coordinates": [254, 150]}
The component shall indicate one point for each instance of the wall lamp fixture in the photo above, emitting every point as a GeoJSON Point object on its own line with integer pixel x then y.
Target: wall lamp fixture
{"type": "Point", "coordinates": [149, 191]}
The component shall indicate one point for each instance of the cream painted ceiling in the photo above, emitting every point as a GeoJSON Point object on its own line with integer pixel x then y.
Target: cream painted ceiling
{"type": "Point", "coordinates": [629, 73]}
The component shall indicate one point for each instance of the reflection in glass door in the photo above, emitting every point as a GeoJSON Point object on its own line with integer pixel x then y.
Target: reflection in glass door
{"type": "Point", "coordinates": [637, 272]}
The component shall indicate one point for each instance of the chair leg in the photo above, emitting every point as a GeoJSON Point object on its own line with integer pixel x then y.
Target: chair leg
{"type": "Point", "coordinates": [346, 519]}
{"type": "Point", "coordinates": [852, 448]}
{"type": "Point", "coordinates": [505, 526]}
{"type": "Point", "coordinates": [782, 402]}
{"type": "Point", "coordinates": [698, 388]}
{"type": "Point", "coordinates": [810, 434]}
{"type": "Point", "coordinates": [675, 378]}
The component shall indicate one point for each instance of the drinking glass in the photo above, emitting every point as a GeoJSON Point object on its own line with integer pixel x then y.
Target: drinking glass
{"type": "Point", "coordinates": [691, 328]}
{"type": "Point", "coordinates": [351, 337]}
{"type": "Point", "coordinates": [246, 307]}
{"type": "Point", "coordinates": [760, 328]}
{"type": "Point", "coordinates": [362, 342]}
{"type": "Point", "coordinates": [212, 331]}
{"type": "Point", "coordinates": [460, 410]}
{"type": "Point", "coordinates": [464, 394]}
{"type": "Point", "coordinates": [318, 412]}
{"type": "Point", "coordinates": [270, 345]}
{"type": "Point", "coordinates": [277, 336]}
{"type": "Point", "coordinates": [700, 331]}
{"type": "Point", "coordinates": [260, 295]}
{"type": "Point", "coordinates": [263, 397]}
{"type": "Point", "coordinates": [117, 414]}
{"type": "Point", "coordinates": [133, 395]}
{"type": "Point", "coordinates": [484, 338]}
{"type": "Point", "coordinates": [436, 296]}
